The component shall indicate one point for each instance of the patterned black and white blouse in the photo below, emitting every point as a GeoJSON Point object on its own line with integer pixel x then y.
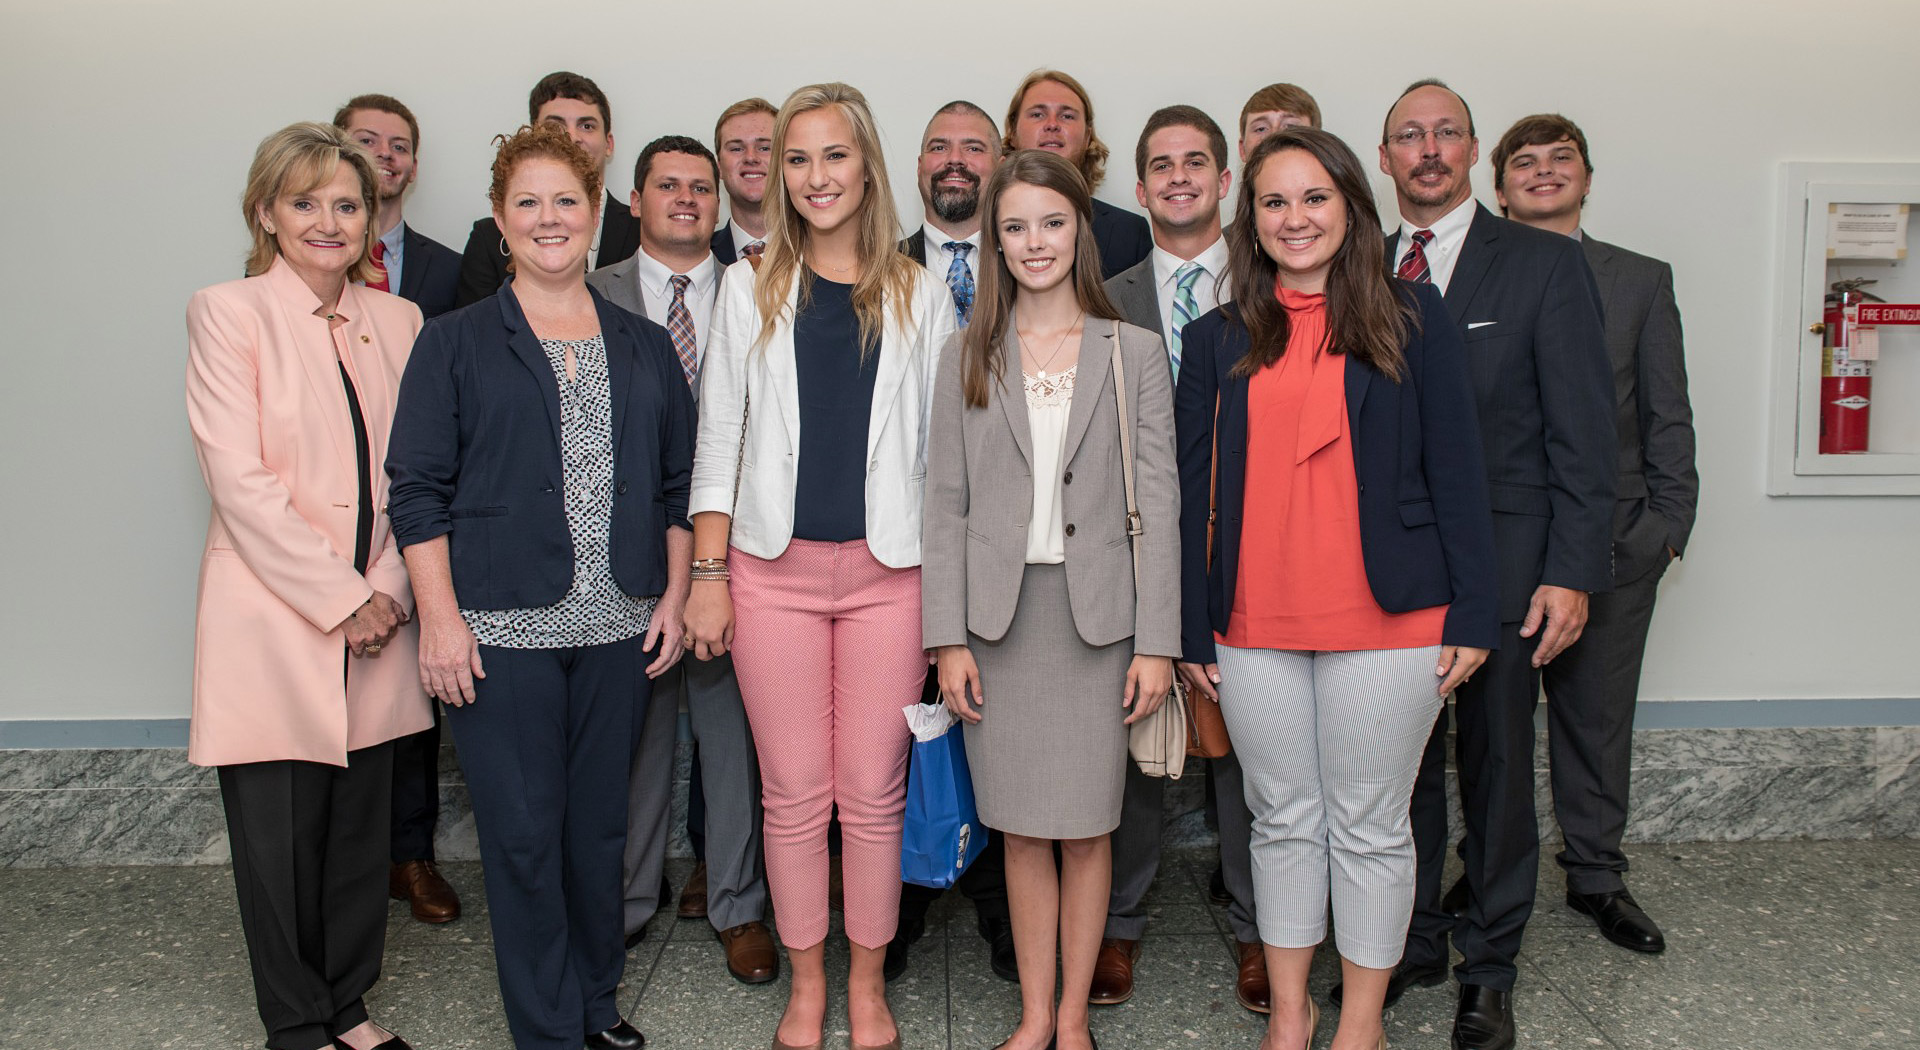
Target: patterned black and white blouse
{"type": "Point", "coordinates": [594, 610]}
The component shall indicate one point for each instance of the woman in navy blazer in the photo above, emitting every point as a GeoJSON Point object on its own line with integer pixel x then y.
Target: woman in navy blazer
{"type": "Point", "coordinates": [1337, 559]}
{"type": "Point", "coordinates": [541, 457]}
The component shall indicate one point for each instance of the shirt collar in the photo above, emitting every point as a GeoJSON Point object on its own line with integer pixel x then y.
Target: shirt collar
{"type": "Point", "coordinates": [937, 239]}
{"type": "Point", "coordinates": [1165, 264]}
{"type": "Point", "coordinates": [741, 238]}
{"type": "Point", "coordinates": [1449, 227]}
{"type": "Point", "coordinates": [657, 279]}
{"type": "Point", "coordinates": [394, 238]}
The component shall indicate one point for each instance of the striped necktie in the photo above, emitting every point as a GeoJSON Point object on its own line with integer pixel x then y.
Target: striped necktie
{"type": "Point", "coordinates": [1413, 265]}
{"type": "Point", "coordinates": [380, 261]}
{"type": "Point", "coordinates": [680, 327]}
{"type": "Point", "coordinates": [960, 279]}
{"type": "Point", "coordinates": [1184, 308]}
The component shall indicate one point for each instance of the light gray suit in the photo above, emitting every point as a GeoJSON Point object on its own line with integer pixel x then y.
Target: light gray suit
{"type": "Point", "coordinates": [1136, 842]}
{"type": "Point", "coordinates": [1592, 687]}
{"type": "Point", "coordinates": [736, 878]}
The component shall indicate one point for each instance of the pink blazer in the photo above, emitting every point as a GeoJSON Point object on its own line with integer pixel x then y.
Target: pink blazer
{"type": "Point", "coordinates": [275, 441]}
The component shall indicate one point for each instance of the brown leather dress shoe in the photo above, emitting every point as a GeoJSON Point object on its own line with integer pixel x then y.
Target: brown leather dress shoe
{"type": "Point", "coordinates": [419, 883]}
{"type": "Point", "coordinates": [1113, 972]}
{"type": "Point", "coordinates": [1253, 990]}
{"type": "Point", "coordinates": [751, 957]}
{"type": "Point", "coordinates": [693, 896]}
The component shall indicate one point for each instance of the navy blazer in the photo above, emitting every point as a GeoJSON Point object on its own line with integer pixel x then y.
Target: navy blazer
{"type": "Point", "coordinates": [1122, 237]}
{"type": "Point", "coordinates": [429, 274]}
{"type": "Point", "coordinates": [467, 455]}
{"type": "Point", "coordinates": [1426, 526]}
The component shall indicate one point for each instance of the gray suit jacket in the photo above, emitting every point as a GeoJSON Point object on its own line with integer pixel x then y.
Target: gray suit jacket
{"type": "Point", "coordinates": [1133, 293]}
{"type": "Point", "coordinates": [618, 283]}
{"type": "Point", "coordinates": [980, 498]}
{"type": "Point", "coordinates": [1658, 487]}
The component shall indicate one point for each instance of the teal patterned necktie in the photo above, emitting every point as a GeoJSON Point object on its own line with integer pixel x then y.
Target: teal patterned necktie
{"type": "Point", "coordinates": [1184, 308]}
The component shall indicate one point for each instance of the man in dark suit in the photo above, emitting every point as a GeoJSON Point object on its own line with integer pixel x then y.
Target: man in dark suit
{"type": "Point", "coordinates": [743, 142]}
{"type": "Point", "coordinates": [424, 272]}
{"type": "Point", "coordinates": [1181, 163]}
{"type": "Point", "coordinates": [419, 269]}
{"type": "Point", "coordinates": [1051, 111]}
{"type": "Point", "coordinates": [577, 104]}
{"type": "Point", "coordinates": [1526, 304]}
{"type": "Point", "coordinates": [673, 280]}
{"type": "Point", "coordinates": [1543, 172]}
{"type": "Point", "coordinates": [959, 151]}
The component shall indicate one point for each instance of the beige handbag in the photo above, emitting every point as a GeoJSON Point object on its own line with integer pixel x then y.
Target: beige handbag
{"type": "Point", "coordinates": [1158, 742]}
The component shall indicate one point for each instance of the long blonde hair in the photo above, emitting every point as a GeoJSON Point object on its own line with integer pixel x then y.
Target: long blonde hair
{"type": "Point", "coordinates": [886, 275]}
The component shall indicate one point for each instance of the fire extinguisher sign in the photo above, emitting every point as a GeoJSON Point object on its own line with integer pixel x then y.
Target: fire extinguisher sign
{"type": "Point", "coordinates": [1889, 313]}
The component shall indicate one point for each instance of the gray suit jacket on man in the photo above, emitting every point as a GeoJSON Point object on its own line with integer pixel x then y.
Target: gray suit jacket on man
{"type": "Point", "coordinates": [979, 499]}
{"type": "Point", "coordinates": [1132, 291]}
{"type": "Point", "coordinates": [1658, 487]}
{"type": "Point", "coordinates": [620, 285]}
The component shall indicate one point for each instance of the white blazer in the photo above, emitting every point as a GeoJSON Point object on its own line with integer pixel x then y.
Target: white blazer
{"type": "Point", "coordinates": [733, 374]}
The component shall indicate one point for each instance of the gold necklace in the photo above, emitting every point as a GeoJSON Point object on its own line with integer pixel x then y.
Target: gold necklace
{"type": "Point", "coordinates": [1041, 372]}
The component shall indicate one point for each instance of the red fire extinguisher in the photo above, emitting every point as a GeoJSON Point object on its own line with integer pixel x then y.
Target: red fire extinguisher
{"type": "Point", "coordinates": [1846, 382]}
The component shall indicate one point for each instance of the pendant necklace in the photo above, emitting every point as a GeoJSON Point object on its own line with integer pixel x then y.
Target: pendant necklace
{"type": "Point", "coordinates": [1041, 372]}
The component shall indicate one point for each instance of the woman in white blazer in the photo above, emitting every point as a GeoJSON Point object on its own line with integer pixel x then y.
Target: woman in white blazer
{"type": "Point", "coordinates": [807, 484]}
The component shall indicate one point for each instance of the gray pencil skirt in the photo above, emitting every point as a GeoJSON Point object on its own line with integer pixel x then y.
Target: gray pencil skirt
{"type": "Point", "coordinates": [1049, 755]}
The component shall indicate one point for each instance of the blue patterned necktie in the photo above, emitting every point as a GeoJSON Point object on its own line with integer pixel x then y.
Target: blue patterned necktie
{"type": "Point", "coordinates": [960, 279]}
{"type": "Point", "coordinates": [1184, 308]}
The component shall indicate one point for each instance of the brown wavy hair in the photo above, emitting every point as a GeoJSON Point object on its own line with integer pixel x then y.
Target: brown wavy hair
{"type": "Point", "coordinates": [1093, 164]}
{"type": "Point", "coordinates": [1368, 316]}
{"type": "Point", "coordinates": [297, 159]}
{"type": "Point", "coordinates": [547, 140]}
{"type": "Point", "coordinates": [982, 362]}
{"type": "Point", "coordinates": [887, 276]}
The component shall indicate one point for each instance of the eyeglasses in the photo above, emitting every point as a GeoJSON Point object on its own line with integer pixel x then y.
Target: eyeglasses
{"type": "Point", "coordinates": [1446, 136]}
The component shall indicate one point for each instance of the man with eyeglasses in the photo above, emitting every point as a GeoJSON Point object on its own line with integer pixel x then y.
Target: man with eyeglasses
{"type": "Point", "coordinates": [1529, 312]}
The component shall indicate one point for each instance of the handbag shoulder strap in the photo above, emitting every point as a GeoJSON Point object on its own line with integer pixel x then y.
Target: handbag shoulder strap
{"type": "Point", "coordinates": [1134, 528]}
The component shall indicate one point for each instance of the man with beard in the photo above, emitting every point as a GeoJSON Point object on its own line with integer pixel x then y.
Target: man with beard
{"type": "Point", "coordinates": [1181, 163]}
{"type": "Point", "coordinates": [426, 273]}
{"type": "Point", "coordinates": [1528, 309]}
{"type": "Point", "coordinates": [419, 268]}
{"type": "Point", "coordinates": [672, 281]}
{"type": "Point", "coordinates": [958, 151]}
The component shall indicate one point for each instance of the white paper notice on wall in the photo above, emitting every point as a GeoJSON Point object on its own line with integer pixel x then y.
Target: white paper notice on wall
{"type": "Point", "coordinates": [1865, 344]}
{"type": "Point", "coordinates": [1867, 231]}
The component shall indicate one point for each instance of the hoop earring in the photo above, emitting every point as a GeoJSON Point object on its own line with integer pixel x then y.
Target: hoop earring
{"type": "Point", "coordinates": [504, 253]}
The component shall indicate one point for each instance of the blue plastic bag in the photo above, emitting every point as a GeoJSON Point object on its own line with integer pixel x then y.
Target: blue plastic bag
{"type": "Point", "coordinates": [943, 833]}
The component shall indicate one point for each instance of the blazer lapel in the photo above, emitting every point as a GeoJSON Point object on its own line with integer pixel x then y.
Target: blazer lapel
{"type": "Point", "coordinates": [526, 346]}
{"type": "Point", "coordinates": [413, 265]}
{"type": "Point", "coordinates": [1090, 382]}
{"type": "Point", "coordinates": [1600, 260]}
{"type": "Point", "coordinates": [314, 345]}
{"type": "Point", "coordinates": [782, 374]}
{"type": "Point", "coordinates": [1476, 258]}
{"type": "Point", "coordinates": [889, 371]}
{"type": "Point", "coordinates": [618, 339]}
{"type": "Point", "coordinates": [1012, 394]}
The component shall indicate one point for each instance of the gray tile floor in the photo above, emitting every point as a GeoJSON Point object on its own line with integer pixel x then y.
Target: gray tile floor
{"type": "Point", "coordinates": [1777, 945]}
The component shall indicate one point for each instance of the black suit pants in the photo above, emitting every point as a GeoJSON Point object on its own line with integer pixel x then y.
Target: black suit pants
{"type": "Point", "coordinates": [416, 792]}
{"type": "Point", "coordinates": [1494, 757]}
{"type": "Point", "coordinates": [1592, 689]}
{"type": "Point", "coordinates": [545, 746]}
{"type": "Point", "coordinates": [309, 847]}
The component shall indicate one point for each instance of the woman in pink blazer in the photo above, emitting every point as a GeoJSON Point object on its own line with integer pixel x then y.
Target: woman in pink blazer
{"type": "Point", "coordinates": [304, 662]}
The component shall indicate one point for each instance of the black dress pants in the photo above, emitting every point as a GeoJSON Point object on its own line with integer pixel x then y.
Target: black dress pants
{"type": "Point", "coordinates": [546, 745]}
{"type": "Point", "coordinates": [416, 792]}
{"type": "Point", "coordinates": [310, 864]}
{"type": "Point", "coordinates": [1494, 756]}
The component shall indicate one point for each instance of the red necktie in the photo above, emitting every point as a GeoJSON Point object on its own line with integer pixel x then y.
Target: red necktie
{"type": "Point", "coordinates": [380, 261]}
{"type": "Point", "coordinates": [1413, 265]}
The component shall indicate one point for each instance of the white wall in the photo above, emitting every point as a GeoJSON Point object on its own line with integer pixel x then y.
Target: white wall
{"type": "Point", "coordinates": [130, 127]}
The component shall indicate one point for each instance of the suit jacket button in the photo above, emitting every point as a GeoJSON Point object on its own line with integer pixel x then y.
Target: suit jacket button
{"type": "Point", "coordinates": [622, 490]}
{"type": "Point", "coordinates": [1069, 529]}
{"type": "Point", "coordinates": [1068, 480]}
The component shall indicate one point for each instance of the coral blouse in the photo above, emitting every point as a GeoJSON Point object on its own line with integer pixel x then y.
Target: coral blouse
{"type": "Point", "coordinates": [1303, 583]}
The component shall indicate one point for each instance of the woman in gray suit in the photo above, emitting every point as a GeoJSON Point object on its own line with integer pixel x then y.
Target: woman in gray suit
{"type": "Point", "coordinates": [1028, 580]}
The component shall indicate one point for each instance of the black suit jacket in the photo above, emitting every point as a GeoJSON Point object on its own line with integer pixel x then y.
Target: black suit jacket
{"type": "Point", "coordinates": [722, 245]}
{"type": "Point", "coordinates": [1426, 533]}
{"type": "Point", "coordinates": [429, 273]}
{"type": "Point", "coordinates": [1525, 303]}
{"type": "Point", "coordinates": [1122, 237]}
{"type": "Point", "coordinates": [483, 269]}
{"type": "Point", "coordinates": [475, 453]}
{"type": "Point", "coordinates": [1658, 487]}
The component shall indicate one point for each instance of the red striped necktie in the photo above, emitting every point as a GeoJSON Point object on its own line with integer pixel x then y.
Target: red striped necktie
{"type": "Point", "coordinates": [380, 261]}
{"type": "Point", "coordinates": [1413, 265]}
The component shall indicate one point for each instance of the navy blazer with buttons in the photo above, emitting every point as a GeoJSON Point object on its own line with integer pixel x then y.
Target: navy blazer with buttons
{"type": "Point", "coordinates": [1426, 527]}
{"type": "Point", "coordinates": [475, 453]}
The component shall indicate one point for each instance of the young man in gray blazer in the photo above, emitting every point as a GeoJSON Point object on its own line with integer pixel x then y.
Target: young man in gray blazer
{"type": "Point", "coordinates": [1542, 174]}
{"type": "Point", "coordinates": [672, 280]}
{"type": "Point", "coordinates": [1529, 312]}
{"type": "Point", "coordinates": [1181, 164]}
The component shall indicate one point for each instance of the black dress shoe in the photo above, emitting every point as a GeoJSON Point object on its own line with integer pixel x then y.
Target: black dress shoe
{"type": "Point", "coordinates": [621, 1036]}
{"type": "Point", "coordinates": [1454, 902]}
{"type": "Point", "coordinates": [904, 938]}
{"type": "Point", "coordinates": [392, 1043]}
{"type": "Point", "coordinates": [634, 938]}
{"type": "Point", "coordinates": [1620, 920]}
{"type": "Point", "coordinates": [1484, 1020]}
{"type": "Point", "coordinates": [1217, 887]}
{"type": "Point", "coordinates": [999, 937]}
{"type": "Point", "coordinates": [1405, 976]}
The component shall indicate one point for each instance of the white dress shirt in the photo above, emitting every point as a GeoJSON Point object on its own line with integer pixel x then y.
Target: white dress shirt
{"type": "Point", "coordinates": [1208, 290]}
{"type": "Point", "coordinates": [741, 239]}
{"type": "Point", "coordinates": [656, 290]}
{"type": "Point", "coordinates": [940, 260]}
{"type": "Point", "coordinates": [1443, 252]}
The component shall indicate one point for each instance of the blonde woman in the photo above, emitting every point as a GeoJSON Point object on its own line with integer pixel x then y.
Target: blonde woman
{"type": "Point", "coordinates": [806, 515]}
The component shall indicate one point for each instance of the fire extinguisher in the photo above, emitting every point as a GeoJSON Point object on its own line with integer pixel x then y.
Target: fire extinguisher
{"type": "Point", "coordinates": [1846, 383]}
